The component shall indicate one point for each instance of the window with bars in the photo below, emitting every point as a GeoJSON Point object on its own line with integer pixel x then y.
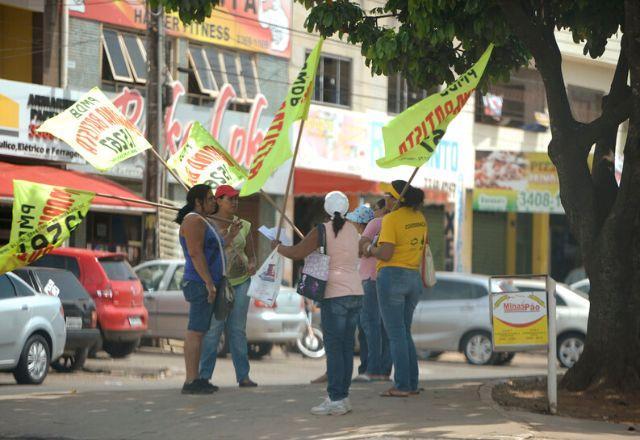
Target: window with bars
{"type": "Point", "coordinates": [401, 95]}
{"type": "Point", "coordinates": [333, 81]}
{"type": "Point", "coordinates": [586, 104]}
{"type": "Point", "coordinates": [211, 68]}
{"type": "Point", "coordinates": [520, 103]}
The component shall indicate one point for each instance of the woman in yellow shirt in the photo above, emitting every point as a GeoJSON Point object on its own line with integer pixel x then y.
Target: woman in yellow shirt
{"type": "Point", "coordinates": [399, 253]}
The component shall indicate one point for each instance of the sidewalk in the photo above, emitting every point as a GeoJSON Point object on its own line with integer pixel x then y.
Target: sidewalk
{"type": "Point", "coordinates": [447, 410]}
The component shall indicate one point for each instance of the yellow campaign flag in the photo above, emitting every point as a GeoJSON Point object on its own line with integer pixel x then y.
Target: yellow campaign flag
{"type": "Point", "coordinates": [97, 130]}
{"type": "Point", "coordinates": [43, 218]}
{"type": "Point", "coordinates": [411, 137]}
{"type": "Point", "coordinates": [201, 159]}
{"type": "Point", "coordinates": [275, 148]}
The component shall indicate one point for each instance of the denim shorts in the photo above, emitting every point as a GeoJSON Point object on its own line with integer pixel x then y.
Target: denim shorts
{"type": "Point", "coordinates": [200, 310]}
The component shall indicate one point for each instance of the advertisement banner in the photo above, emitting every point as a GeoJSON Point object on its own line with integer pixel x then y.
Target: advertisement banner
{"type": "Point", "coordinates": [201, 159]}
{"type": "Point", "coordinates": [519, 319]}
{"type": "Point", "coordinates": [412, 136]}
{"type": "Point", "coordinates": [516, 182]}
{"type": "Point", "coordinates": [43, 218]}
{"type": "Point", "coordinates": [275, 148]}
{"type": "Point", "coordinates": [97, 130]}
{"type": "Point", "coordinates": [249, 25]}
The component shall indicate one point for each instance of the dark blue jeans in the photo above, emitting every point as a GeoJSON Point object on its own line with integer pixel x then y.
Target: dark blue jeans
{"type": "Point", "coordinates": [399, 290]}
{"type": "Point", "coordinates": [378, 358]}
{"type": "Point", "coordinates": [339, 318]}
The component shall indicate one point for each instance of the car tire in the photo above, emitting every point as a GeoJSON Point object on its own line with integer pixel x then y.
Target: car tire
{"type": "Point", "coordinates": [259, 350]}
{"type": "Point", "coordinates": [504, 358]}
{"type": "Point", "coordinates": [33, 364]}
{"type": "Point", "coordinates": [119, 349]}
{"type": "Point", "coordinates": [68, 363]}
{"type": "Point", "coordinates": [569, 349]}
{"type": "Point", "coordinates": [477, 348]}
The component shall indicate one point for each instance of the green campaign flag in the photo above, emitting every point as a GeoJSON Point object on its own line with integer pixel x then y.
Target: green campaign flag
{"type": "Point", "coordinates": [201, 159]}
{"type": "Point", "coordinates": [43, 218]}
{"type": "Point", "coordinates": [275, 148]}
{"type": "Point", "coordinates": [411, 137]}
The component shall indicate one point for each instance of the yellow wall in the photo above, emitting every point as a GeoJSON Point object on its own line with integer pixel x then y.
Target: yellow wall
{"type": "Point", "coordinates": [16, 45]}
{"type": "Point", "coordinates": [540, 246]}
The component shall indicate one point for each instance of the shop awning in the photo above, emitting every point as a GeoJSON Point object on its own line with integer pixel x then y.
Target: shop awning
{"type": "Point", "coordinates": [318, 183]}
{"type": "Point", "coordinates": [70, 179]}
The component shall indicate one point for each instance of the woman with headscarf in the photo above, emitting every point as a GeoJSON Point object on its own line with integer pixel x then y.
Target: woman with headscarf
{"type": "Point", "coordinates": [340, 307]}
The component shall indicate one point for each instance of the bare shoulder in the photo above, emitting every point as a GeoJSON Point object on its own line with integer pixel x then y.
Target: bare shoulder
{"type": "Point", "coordinates": [192, 223]}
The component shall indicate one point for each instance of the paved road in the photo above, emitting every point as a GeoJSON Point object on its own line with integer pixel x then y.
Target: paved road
{"type": "Point", "coordinates": [152, 369]}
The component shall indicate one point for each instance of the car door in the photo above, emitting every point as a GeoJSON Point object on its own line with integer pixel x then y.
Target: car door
{"type": "Point", "coordinates": [443, 313]}
{"type": "Point", "coordinates": [172, 309]}
{"type": "Point", "coordinates": [151, 276]}
{"type": "Point", "coordinates": [15, 312]}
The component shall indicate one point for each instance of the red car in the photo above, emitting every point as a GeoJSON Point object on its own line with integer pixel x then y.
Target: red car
{"type": "Point", "coordinates": [116, 290]}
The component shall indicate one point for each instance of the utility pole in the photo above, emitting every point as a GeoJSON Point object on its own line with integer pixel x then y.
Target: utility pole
{"type": "Point", "coordinates": [151, 182]}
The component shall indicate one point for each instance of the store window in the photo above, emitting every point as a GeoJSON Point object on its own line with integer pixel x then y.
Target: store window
{"type": "Point", "coordinates": [401, 95]}
{"type": "Point", "coordinates": [586, 104]}
{"type": "Point", "coordinates": [211, 68]}
{"type": "Point", "coordinates": [124, 59]}
{"type": "Point", "coordinates": [333, 81]}
{"type": "Point", "coordinates": [520, 103]}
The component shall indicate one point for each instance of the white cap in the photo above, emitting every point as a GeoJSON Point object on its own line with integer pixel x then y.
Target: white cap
{"type": "Point", "coordinates": [336, 201]}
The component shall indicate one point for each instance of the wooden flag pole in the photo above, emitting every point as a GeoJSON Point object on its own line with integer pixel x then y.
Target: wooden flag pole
{"type": "Point", "coordinates": [157, 205]}
{"type": "Point", "coordinates": [273, 203]}
{"type": "Point", "coordinates": [290, 179]}
{"type": "Point", "coordinates": [406, 188]}
{"type": "Point", "coordinates": [166, 165]}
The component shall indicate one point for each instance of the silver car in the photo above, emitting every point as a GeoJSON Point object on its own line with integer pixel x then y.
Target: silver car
{"type": "Point", "coordinates": [168, 310]}
{"type": "Point", "coordinates": [32, 330]}
{"type": "Point", "coordinates": [454, 316]}
{"type": "Point", "coordinates": [583, 287]}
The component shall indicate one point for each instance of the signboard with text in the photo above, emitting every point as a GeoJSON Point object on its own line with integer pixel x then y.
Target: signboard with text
{"type": "Point", "coordinates": [250, 25]}
{"type": "Point", "coordinates": [516, 182]}
{"type": "Point", "coordinates": [519, 319]}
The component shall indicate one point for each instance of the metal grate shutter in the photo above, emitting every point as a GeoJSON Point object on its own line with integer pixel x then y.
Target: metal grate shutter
{"type": "Point", "coordinates": [489, 248]}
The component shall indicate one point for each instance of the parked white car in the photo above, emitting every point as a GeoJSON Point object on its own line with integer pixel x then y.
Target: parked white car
{"type": "Point", "coordinates": [32, 330]}
{"type": "Point", "coordinates": [583, 287]}
{"type": "Point", "coordinates": [454, 316]}
{"type": "Point", "coordinates": [168, 310]}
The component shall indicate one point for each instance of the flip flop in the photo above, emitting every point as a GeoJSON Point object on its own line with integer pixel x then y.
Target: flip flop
{"type": "Point", "coordinates": [392, 392]}
{"type": "Point", "coordinates": [416, 392]}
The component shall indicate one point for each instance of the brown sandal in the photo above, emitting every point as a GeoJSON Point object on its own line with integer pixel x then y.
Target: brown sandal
{"type": "Point", "coordinates": [416, 392]}
{"type": "Point", "coordinates": [393, 392]}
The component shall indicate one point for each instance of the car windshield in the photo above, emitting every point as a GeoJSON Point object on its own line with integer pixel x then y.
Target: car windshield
{"type": "Point", "coordinates": [117, 269]}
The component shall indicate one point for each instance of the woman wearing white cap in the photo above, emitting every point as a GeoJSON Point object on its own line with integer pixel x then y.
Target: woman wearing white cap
{"type": "Point", "coordinates": [340, 307]}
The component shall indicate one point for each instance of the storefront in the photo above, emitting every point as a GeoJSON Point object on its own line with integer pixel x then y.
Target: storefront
{"type": "Point", "coordinates": [519, 224]}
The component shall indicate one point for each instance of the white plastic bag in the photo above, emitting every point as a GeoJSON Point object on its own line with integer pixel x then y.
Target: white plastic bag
{"type": "Point", "coordinates": [265, 284]}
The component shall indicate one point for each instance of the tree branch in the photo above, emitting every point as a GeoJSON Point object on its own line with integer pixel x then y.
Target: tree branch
{"type": "Point", "coordinates": [616, 107]}
{"type": "Point", "coordinates": [540, 40]}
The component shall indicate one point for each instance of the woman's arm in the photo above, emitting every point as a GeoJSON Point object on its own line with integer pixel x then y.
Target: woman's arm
{"type": "Point", "coordinates": [302, 249]}
{"type": "Point", "coordinates": [384, 251]}
{"type": "Point", "coordinates": [194, 229]}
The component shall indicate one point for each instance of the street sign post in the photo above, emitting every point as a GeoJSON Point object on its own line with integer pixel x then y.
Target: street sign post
{"type": "Point", "coordinates": [523, 317]}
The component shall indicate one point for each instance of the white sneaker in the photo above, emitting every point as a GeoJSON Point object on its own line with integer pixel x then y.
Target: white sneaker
{"type": "Point", "coordinates": [347, 404]}
{"type": "Point", "coordinates": [330, 407]}
{"type": "Point", "coordinates": [364, 377]}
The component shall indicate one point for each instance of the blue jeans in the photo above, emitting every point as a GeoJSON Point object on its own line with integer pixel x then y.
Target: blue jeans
{"type": "Point", "coordinates": [399, 290]}
{"type": "Point", "coordinates": [339, 318]}
{"type": "Point", "coordinates": [236, 324]}
{"type": "Point", "coordinates": [378, 357]}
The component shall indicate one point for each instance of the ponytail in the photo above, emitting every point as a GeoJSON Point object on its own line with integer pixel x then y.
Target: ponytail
{"type": "Point", "coordinates": [337, 222]}
{"type": "Point", "coordinates": [182, 213]}
{"type": "Point", "coordinates": [196, 192]}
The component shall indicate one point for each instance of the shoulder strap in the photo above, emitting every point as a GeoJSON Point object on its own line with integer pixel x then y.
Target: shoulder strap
{"type": "Point", "coordinates": [215, 234]}
{"type": "Point", "coordinates": [322, 238]}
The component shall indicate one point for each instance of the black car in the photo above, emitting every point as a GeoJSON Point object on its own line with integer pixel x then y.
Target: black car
{"type": "Point", "coordinates": [79, 311]}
